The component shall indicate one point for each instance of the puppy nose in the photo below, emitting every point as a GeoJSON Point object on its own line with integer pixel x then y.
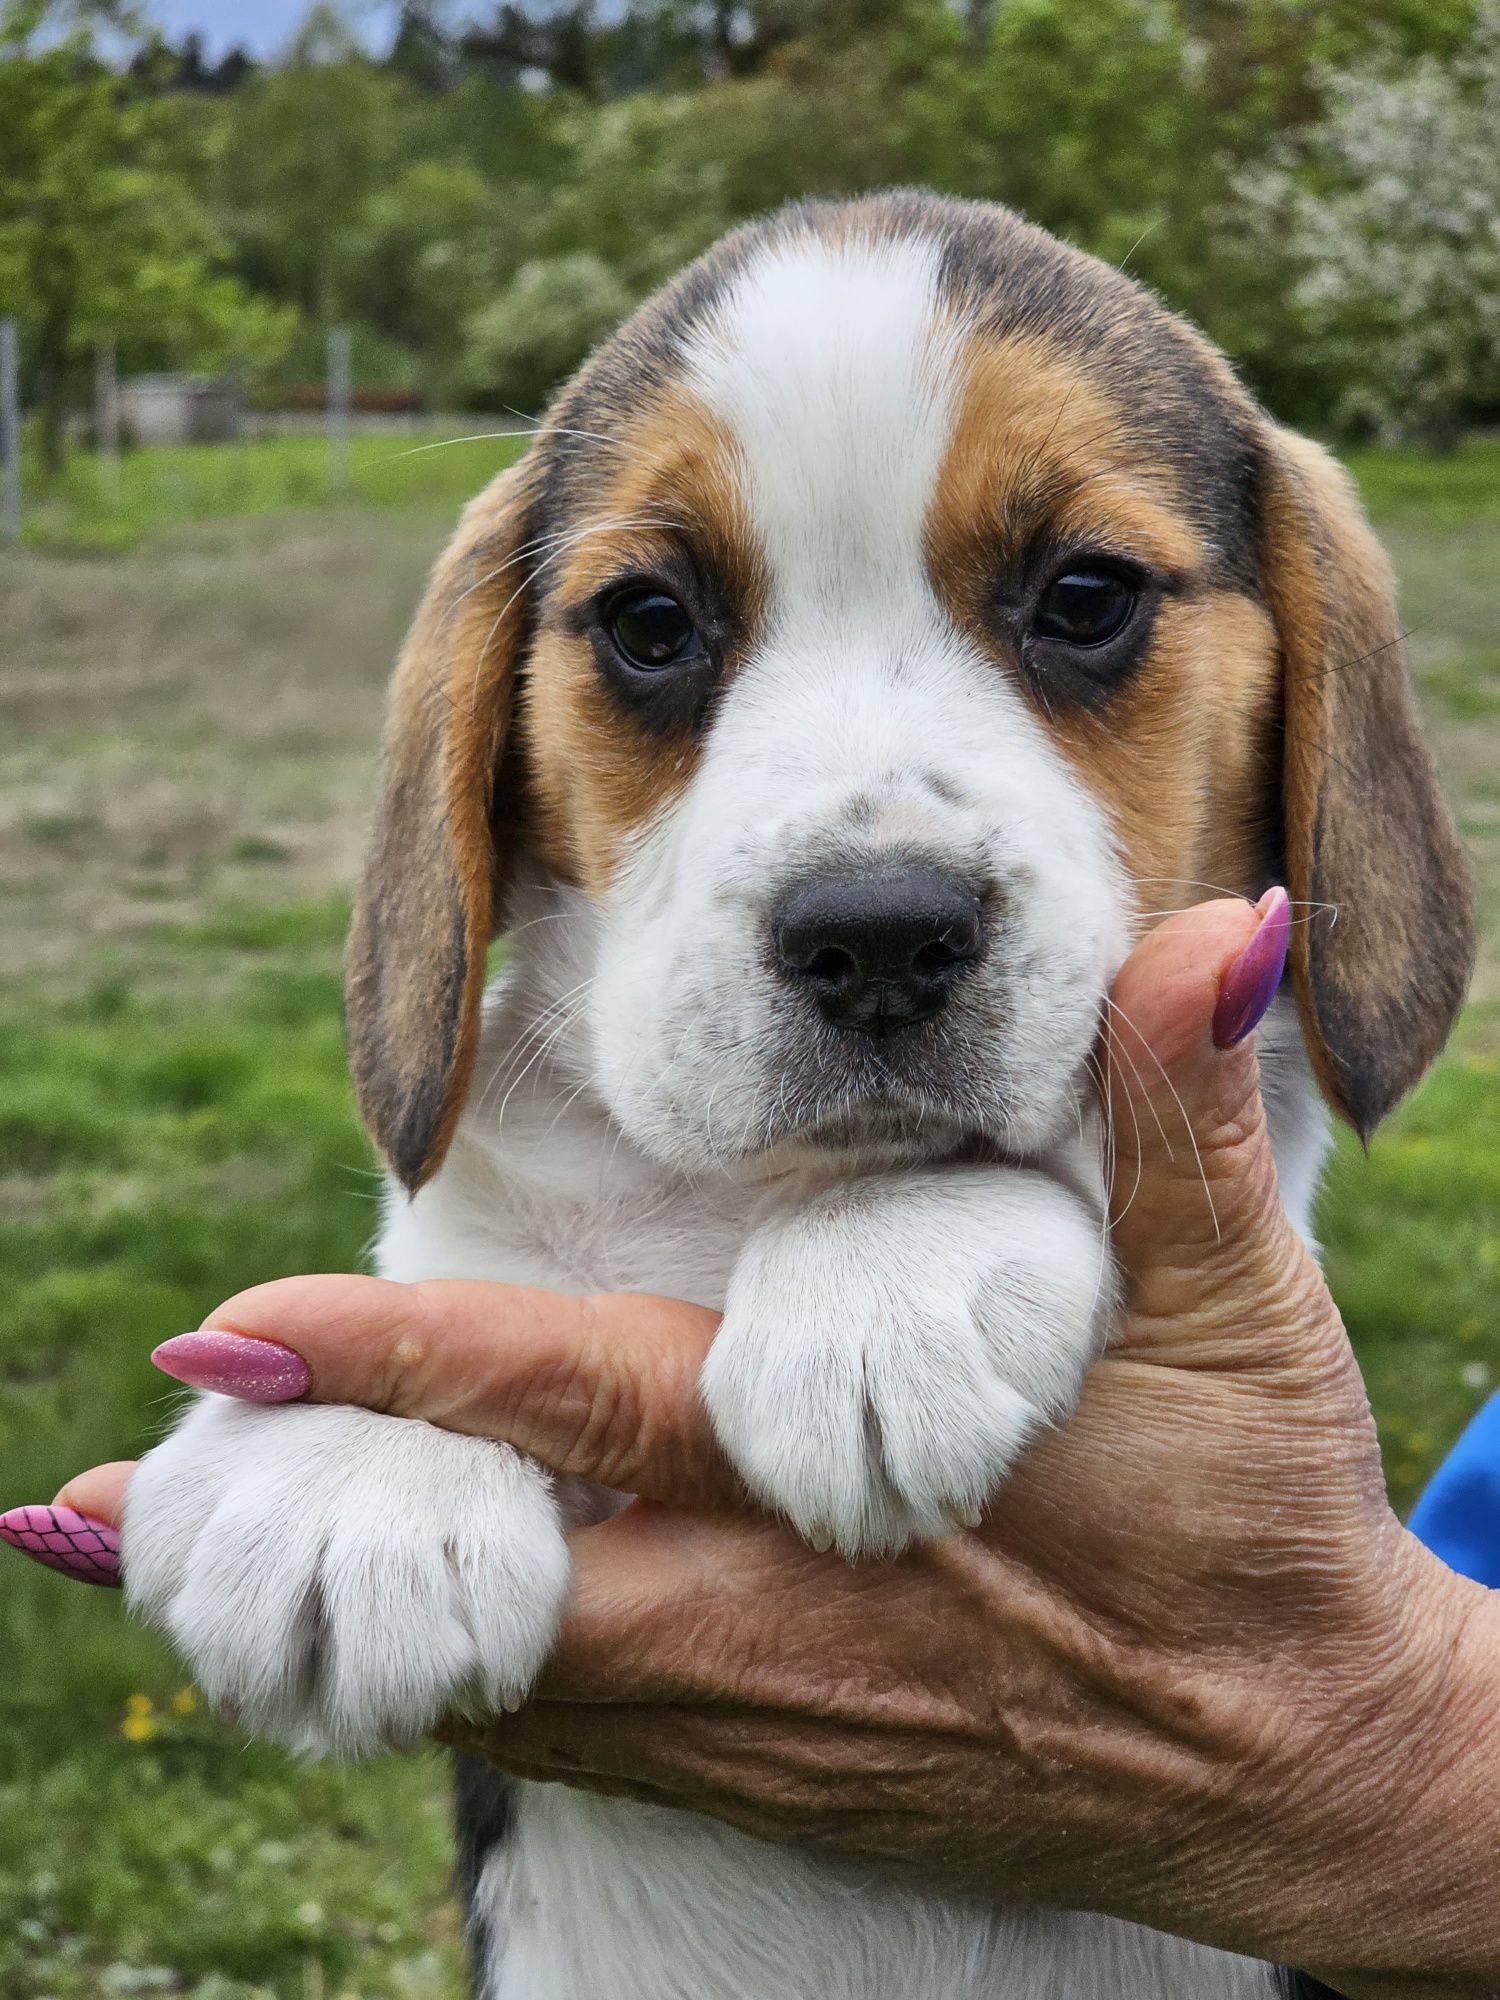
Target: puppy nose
{"type": "Point", "coordinates": [879, 952]}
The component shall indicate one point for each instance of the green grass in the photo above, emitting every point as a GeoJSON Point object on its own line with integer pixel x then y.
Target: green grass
{"type": "Point", "coordinates": [166, 1140]}
{"type": "Point", "coordinates": [163, 487]}
{"type": "Point", "coordinates": [1411, 1237]}
{"type": "Point", "coordinates": [1442, 490]}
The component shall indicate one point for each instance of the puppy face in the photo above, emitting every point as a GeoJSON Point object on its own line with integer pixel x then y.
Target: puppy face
{"type": "Point", "coordinates": [907, 616]}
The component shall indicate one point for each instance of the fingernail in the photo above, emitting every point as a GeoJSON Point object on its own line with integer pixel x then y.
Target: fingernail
{"type": "Point", "coordinates": [61, 1538]}
{"type": "Point", "coordinates": [1249, 985]}
{"type": "Point", "coordinates": [232, 1364]}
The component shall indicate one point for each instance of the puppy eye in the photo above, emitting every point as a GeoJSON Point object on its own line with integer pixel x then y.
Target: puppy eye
{"type": "Point", "coordinates": [1085, 607]}
{"type": "Point", "coordinates": [651, 630]}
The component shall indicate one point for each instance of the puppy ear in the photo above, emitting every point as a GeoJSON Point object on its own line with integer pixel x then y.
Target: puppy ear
{"type": "Point", "coordinates": [429, 899]}
{"type": "Point", "coordinates": [1382, 964]}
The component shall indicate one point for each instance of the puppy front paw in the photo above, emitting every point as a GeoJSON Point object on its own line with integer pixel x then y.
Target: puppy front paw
{"type": "Point", "coordinates": [876, 1375]}
{"type": "Point", "coordinates": [338, 1580]}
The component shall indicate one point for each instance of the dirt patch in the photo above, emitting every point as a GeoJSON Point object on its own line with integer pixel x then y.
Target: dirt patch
{"type": "Point", "coordinates": [193, 723]}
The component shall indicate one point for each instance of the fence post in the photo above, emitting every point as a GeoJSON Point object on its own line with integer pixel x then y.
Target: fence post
{"type": "Point", "coordinates": [106, 419]}
{"type": "Point", "coordinates": [339, 399]}
{"type": "Point", "coordinates": [10, 430]}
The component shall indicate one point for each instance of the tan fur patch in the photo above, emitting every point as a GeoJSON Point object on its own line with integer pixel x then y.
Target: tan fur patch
{"type": "Point", "coordinates": [598, 773]}
{"type": "Point", "coordinates": [1035, 443]}
{"type": "Point", "coordinates": [1181, 757]}
{"type": "Point", "coordinates": [1178, 756]}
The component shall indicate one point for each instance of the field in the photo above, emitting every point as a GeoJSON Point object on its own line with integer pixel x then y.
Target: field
{"type": "Point", "coordinates": [85, 506]}
{"type": "Point", "coordinates": [187, 713]}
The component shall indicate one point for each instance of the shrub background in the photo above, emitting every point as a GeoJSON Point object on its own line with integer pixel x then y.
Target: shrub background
{"type": "Point", "coordinates": [1316, 181]}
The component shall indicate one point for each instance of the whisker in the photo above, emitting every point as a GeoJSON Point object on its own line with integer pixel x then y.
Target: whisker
{"type": "Point", "coordinates": [1112, 1039]}
{"type": "Point", "coordinates": [532, 1039]}
{"type": "Point", "coordinates": [534, 1062]}
{"type": "Point", "coordinates": [530, 430]}
{"type": "Point", "coordinates": [1359, 659]}
{"type": "Point", "coordinates": [1182, 1111]}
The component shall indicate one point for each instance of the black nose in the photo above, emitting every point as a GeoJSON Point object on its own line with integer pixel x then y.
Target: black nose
{"type": "Point", "coordinates": [879, 951]}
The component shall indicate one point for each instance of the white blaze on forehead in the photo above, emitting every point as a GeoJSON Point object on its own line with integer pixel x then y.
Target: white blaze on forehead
{"type": "Point", "coordinates": [834, 365]}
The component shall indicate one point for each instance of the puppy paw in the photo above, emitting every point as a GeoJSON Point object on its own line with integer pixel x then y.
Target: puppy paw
{"type": "Point", "coordinates": [338, 1580]}
{"type": "Point", "coordinates": [875, 1376]}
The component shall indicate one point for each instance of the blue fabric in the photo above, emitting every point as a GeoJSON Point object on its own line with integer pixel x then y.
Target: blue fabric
{"type": "Point", "coordinates": [1458, 1516]}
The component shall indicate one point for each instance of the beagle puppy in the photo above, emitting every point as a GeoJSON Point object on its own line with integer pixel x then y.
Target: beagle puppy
{"type": "Point", "coordinates": [894, 616]}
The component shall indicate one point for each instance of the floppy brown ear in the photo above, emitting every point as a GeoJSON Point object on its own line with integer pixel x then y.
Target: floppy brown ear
{"type": "Point", "coordinates": [1382, 965]}
{"type": "Point", "coordinates": [428, 899]}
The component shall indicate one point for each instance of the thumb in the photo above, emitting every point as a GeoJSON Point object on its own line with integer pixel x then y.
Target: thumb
{"type": "Point", "coordinates": [1203, 1241]}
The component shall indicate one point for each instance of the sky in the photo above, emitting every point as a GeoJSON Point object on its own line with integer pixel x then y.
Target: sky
{"type": "Point", "coordinates": [264, 27]}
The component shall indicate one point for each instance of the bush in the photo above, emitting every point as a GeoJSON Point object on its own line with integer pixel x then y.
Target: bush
{"type": "Point", "coordinates": [1389, 211]}
{"type": "Point", "coordinates": [517, 349]}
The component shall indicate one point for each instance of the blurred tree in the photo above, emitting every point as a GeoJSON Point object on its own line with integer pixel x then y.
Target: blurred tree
{"type": "Point", "coordinates": [101, 236]}
{"type": "Point", "coordinates": [567, 48]}
{"type": "Point", "coordinates": [1125, 126]}
{"type": "Point", "coordinates": [505, 50]}
{"type": "Point", "coordinates": [422, 50]}
{"type": "Point", "coordinates": [426, 251]}
{"type": "Point", "coordinates": [1078, 116]}
{"type": "Point", "coordinates": [407, 196]}
{"type": "Point", "coordinates": [1389, 209]}
{"type": "Point", "coordinates": [309, 144]}
{"type": "Point", "coordinates": [652, 179]}
{"type": "Point", "coordinates": [652, 44]}
{"type": "Point", "coordinates": [520, 346]}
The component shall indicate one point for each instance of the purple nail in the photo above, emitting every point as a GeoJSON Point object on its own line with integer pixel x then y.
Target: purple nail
{"type": "Point", "coordinates": [1249, 985]}
{"type": "Point", "coordinates": [61, 1538]}
{"type": "Point", "coordinates": [232, 1364]}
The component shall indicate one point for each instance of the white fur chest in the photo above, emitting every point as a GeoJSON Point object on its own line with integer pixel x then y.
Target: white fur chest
{"type": "Point", "coordinates": [569, 1205]}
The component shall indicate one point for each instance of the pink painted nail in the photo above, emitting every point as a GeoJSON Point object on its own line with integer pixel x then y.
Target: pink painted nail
{"type": "Point", "coordinates": [232, 1364]}
{"type": "Point", "coordinates": [1249, 985]}
{"type": "Point", "coordinates": [61, 1538]}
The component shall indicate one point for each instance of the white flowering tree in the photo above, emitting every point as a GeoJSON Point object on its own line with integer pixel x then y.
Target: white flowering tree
{"type": "Point", "coordinates": [1388, 211]}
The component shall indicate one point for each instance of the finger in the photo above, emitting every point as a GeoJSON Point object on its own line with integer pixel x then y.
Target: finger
{"type": "Point", "coordinates": [78, 1534]}
{"type": "Point", "coordinates": [673, 1754]}
{"type": "Point", "coordinates": [1196, 1213]}
{"type": "Point", "coordinates": [677, 1608]}
{"type": "Point", "coordinates": [99, 1492]}
{"type": "Point", "coordinates": [471, 1739]}
{"type": "Point", "coordinates": [665, 1605]}
{"type": "Point", "coordinates": [776, 1775]}
{"type": "Point", "coordinates": [565, 1750]}
{"type": "Point", "coordinates": [605, 1388]}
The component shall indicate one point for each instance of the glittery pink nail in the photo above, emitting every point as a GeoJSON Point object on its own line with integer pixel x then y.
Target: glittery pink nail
{"type": "Point", "coordinates": [232, 1364]}
{"type": "Point", "coordinates": [1249, 985]}
{"type": "Point", "coordinates": [63, 1539]}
